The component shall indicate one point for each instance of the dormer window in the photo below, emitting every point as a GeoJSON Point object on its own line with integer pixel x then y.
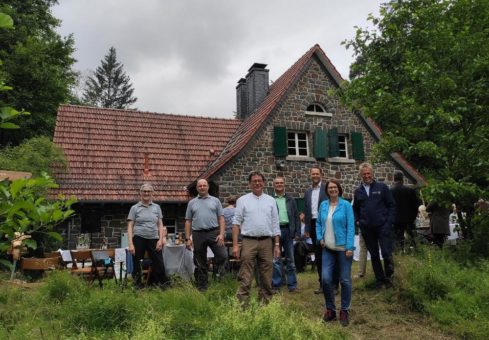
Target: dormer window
{"type": "Point", "coordinates": [315, 108]}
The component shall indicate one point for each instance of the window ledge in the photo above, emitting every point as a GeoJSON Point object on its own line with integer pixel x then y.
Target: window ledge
{"type": "Point", "coordinates": [300, 158]}
{"type": "Point", "coordinates": [320, 114]}
{"type": "Point", "coordinates": [341, 160]}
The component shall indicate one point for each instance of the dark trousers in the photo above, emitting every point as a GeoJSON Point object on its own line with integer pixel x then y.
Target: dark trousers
{"type": "Point", "coordinates": [318, 252]}
{"type": "Point", "coordinates": [375, 237]}
{"type": "Point", "coordinates": [401, 228]}
{"type": "Point", "coordinates": [141, 246]}
{"type": "Point", "coordinates": [202, 240]}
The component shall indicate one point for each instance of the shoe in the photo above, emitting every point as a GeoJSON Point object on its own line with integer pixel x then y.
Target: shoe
{"type": "Point", "coordinates": [359, 276]}
{"type": "Point", "coordinates": [388, 283]}
{"type": "Point", "coordinates": [318, 291]}
{"type": "Point", "coordinates": [344, 318]}
{"type": "Point", "coordinates": [329, 315]}
{"type": "Point", "coordinates": [294, 290]}
{"type": "Point", "coordinates": [379, 285]}
{"type": "Point", "coordinates": [275, 291]}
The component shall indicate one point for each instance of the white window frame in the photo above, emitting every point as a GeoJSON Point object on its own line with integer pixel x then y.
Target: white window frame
{"type": "Point", "coordinates": [322, 113]}
{"type": "Point", "coordinates": [296, 140]}
{"type": "Point", "coordinates": [343, 146]}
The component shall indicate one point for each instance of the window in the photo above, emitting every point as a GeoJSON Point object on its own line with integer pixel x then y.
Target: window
{"type": "Point", "coordinates": [170, 224]}
{"type": "Point", "coordinates": [342, 146]}
{"type": "Point", "coordinates": [315, 108]}
{"type": "Point", "coordinates": [297, 144]}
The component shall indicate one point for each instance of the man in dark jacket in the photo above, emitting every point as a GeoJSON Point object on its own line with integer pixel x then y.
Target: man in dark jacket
{"type": "Point", "coordinates": [375, 209]}
{"type": "Point", "coordinates": [312, 200]}
{"type": "Point", "coordinates": [407, 203]}
{"type": "Point", "coordinates": [290, 229]}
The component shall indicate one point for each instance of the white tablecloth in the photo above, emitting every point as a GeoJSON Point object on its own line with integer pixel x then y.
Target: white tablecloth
{"type": "Point", "coordinates": [178, 260]}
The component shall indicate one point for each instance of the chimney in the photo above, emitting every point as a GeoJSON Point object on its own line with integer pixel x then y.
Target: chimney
{"type": "Point", "coordinates": [242, 99]}
{"type": "Point", "coordinates": [255, 88]}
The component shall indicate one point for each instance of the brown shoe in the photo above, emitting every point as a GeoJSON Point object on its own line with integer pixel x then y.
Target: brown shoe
{"type": "Point", "coordinates": [319, 290]}
{"type": "Point", "coordinates": [344, 318]}
{"type": "Point", "coordinates": [329, 315]}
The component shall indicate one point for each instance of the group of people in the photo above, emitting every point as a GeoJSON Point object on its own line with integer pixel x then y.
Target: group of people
{"type": "Point", "coordinates": [265, 227]}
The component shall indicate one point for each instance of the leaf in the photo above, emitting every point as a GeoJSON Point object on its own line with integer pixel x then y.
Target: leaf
{"type": "Point", "coordinates": [30, 243]}
{"type": "Point", "coordinates": [55, 235]}
{"type": "Point", "coordinates": [7, 264]}
{"type": "Point", "coordinates": [8, 125]}
{"type": "Point", "coordinates": [6, 21]}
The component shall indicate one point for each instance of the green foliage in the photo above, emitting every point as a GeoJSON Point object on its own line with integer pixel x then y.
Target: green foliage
{"type": "Point", "coordinates": [457, 297]}
{"type": "Point", "coordinates": [37, 65]}
{"type": "Point", "coordinates": [109, 86]}
{"type": "Point", "coordinates": [25, 208]}
{"type": "Point", "coordinates": [61, 286]}
{"type": "Point", "coordinates": [36, 155]}
{"type": "Point", "coordinates": [421, 73]}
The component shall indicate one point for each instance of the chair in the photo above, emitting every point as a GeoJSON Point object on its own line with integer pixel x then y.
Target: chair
{"type": "Point", "coordinates": [79, 258]}
{"type": "Point", "coordinates": [41, 264]}
{"type": "Point", "coordinates": [103, 264]}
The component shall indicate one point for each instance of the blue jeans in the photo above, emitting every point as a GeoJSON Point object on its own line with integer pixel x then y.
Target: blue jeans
{"type": "Point", "coordinates": [288, 252]}
{"type": "Point", "coordinates": [330, 257]}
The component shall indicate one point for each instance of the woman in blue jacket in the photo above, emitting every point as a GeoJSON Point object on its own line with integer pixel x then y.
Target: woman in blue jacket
{"type": "Point", "coordinates": [335, 230]}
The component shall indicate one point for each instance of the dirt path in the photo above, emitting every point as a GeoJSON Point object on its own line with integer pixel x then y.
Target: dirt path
{"type": "Point", "coordinates": [374, 314]}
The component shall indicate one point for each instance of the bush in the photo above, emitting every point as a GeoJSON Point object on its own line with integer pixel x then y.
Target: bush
{"type": "Point", "coordinates": [61, 285]}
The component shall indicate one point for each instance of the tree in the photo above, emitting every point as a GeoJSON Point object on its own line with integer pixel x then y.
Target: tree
{"type": "Point", "coordinates": [109, 86]}
{"type": "Point", "coordinates": [422, 74]}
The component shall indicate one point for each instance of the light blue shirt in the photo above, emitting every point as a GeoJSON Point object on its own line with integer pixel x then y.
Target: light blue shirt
{"type": "Point", "coordinates": [367, 188]}
{"type": "Point", "coordinates": [257, 216]}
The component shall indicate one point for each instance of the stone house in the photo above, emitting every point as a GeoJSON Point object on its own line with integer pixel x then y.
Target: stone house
{"type": "Point", "coordinates": [281, 129]}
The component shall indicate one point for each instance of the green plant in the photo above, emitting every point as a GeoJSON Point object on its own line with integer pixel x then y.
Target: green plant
{"type": "Point", "coordinates": [25, 208]}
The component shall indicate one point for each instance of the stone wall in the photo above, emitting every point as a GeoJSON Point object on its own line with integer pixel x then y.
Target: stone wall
{"type": "Point", "coordinates": [258, 155]}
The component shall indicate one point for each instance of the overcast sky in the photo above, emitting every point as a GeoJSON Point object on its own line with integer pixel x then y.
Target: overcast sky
{"type": "Point", "coordinates": [186, 56]}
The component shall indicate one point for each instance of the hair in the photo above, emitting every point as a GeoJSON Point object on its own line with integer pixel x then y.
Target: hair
{"type": "Point", "coordinates": [282, 177]}
{"type": "Point", "coordinates": [398, 176]}
{"type": "Point", "coordinates": [317, 167]}
{"type": "Point", "coordinates": [146, 186]}
{"type": "Point", "coordinates": [340, 189]}
{"type": "Point", "coordinates": [231, 199]}
{"type": "Point", "coordinates": [255, 173]}
{"type": "Point", "coordinates": [365, 165]}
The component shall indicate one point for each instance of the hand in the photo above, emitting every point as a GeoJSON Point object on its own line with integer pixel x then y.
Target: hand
{"type": "Point", "coordinates": [236, 251]}
{"type": "Point", "coordinates": [159, 245]}
{"type": "Point", "coordinates": [277, 252]}
{"type": "Point", "coordinates": [188, 244]}
{"type": "Point", "coordinates": [349, 253]}
{"type": "Point", "coordinates": [131, 249]}
{"type": "Point", "coordinates": [306, 234]}
{"type": "Point", "coordinates": [321, 243]}
{"type": "Point", "coordinates": [220, 240]}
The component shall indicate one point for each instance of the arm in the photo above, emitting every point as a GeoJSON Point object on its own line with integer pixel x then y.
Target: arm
{"type": "Point", "coordinates": [130, 226]}
{"type": "Point", "coordinates": [350, 230]}
{"type": "Point", "coordinates": [276, 230]}
{"type": "Point", "coordinates": [162, 234]}
{"type": "Point", "coordinates": [222, 229]}
{"type": "Point", "coordinates": [390, 204]}
{"type": "Point", "coordinates": [319, 226]}
{"type": "Point", "coordinates": [235, 241]}
{"type": "Point", "coordinates": [188, 241]}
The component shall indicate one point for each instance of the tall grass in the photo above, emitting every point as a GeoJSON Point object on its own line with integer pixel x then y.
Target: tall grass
{"type": "Point", "coordinates": [66, 307]}
{"type": "Point", "coordinates": [456, 296]}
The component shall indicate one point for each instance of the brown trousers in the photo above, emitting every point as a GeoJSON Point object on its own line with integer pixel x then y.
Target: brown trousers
{"type": "Point", "coordinates": [260, 252]}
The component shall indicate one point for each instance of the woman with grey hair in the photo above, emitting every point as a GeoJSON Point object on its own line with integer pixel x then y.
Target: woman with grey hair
{"type": "Point", "coordinates": [146, 233]}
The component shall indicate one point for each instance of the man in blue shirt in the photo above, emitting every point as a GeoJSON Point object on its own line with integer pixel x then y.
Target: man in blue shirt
{"type": "Point", "coordinates": [375, 209]}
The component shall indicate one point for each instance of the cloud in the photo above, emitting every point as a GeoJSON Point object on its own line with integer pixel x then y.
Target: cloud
{"type": "Point", "coordinates": [186, 56]}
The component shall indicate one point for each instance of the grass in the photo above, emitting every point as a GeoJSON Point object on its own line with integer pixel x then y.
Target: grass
{"type": "Point", "coordinates": [425, 304]}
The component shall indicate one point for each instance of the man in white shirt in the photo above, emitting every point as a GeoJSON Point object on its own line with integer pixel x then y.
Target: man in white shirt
{"type": "Point", "coordinates": [257, 218]}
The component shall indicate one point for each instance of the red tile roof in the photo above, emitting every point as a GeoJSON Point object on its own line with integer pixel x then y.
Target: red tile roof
{"type": "Point", "coordinates": [276, 94]}
{"type": "Point", "coordinates": [112, 152]}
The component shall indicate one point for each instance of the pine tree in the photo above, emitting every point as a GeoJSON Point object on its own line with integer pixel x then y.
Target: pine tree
{"type": "Point", "coordinates": [109, 86]}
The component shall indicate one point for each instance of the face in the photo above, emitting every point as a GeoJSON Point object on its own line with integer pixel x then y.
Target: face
{"type": "Point", "coordinates": [146, 195]}
{"type": "Point", "coordinates": [367, 175]}
{"type": "Point", "coordinates": [279, 185]}
{"type": "Point", "coordinates": [256, 185]}
{"type": "Point", "coordinates": [333, 190]}
{"type": "Point", "coordinates": [315, 176]}
{"type": "Point", "coordinates": [202, 187]}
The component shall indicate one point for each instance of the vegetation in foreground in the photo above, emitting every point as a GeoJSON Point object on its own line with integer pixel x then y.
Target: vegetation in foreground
{"type": "Point", "coordinates": [434, 298]}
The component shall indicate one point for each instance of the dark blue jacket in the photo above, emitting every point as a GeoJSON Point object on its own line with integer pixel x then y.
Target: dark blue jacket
{"type": "Point", "coordinates": [376, 210]}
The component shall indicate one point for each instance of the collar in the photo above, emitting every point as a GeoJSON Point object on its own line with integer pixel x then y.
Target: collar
{"type": "Point", "coordinates": [317, 186]}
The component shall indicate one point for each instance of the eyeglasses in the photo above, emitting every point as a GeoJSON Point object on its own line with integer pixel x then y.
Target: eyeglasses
{"type": "Point", "coordinates": [332, 188]}
{"type": "Point", "coordinates": [147, 191]}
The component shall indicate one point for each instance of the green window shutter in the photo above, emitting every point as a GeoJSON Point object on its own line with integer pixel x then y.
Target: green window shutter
{"type": "Point", "coordinates": [300, 204]}
{"type": "Point", "coordinates": [358, 152]}
{"type": "Point", "coordinates": [320, 144]}
{"type": "Point", "coordinates": [334, 150]}
{"type": "Point", "coordinates": [279, 141]}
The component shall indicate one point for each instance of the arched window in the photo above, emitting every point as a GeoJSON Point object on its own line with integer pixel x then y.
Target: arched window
{"type": "Point", "coordinates": [315, 108]}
